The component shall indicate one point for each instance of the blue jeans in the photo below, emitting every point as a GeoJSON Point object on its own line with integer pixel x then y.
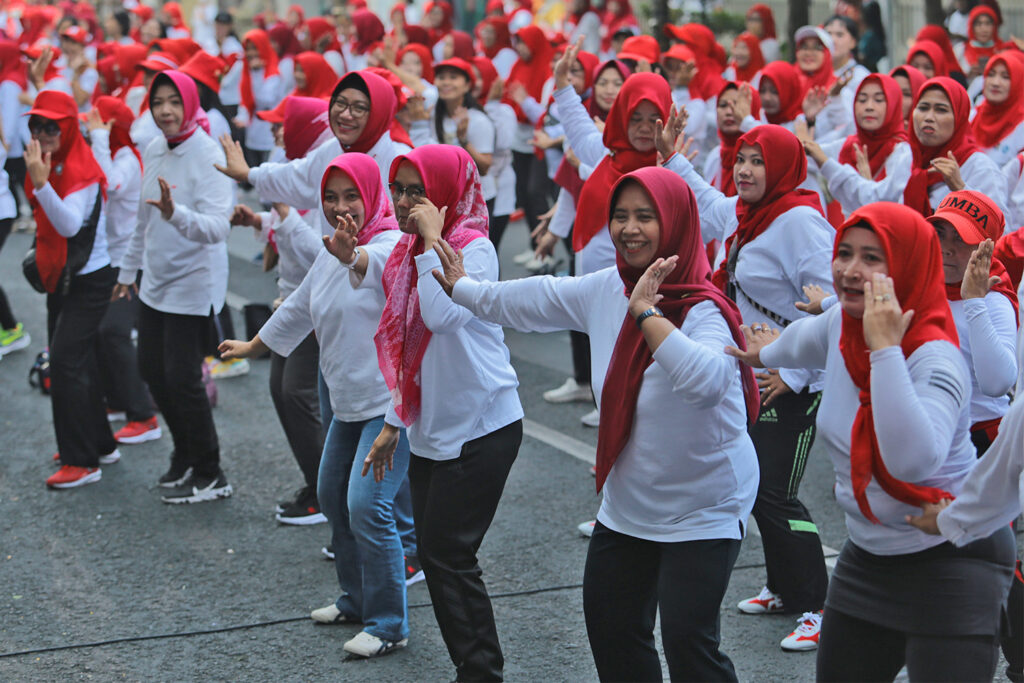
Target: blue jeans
{"type": "Point", "coordinates": [368, 555]}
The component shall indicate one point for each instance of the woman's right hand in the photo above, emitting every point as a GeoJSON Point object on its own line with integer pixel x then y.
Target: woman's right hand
{"type": "Point", "coordinates": [546, 242]}
{"type": "Point", "coordinates": [666, 133]}
{"type": "Point", "coordinates": [235, 166]}
{"type": "Point", "coordinates": [815, 295]}
{"type": "Point", "coordinates": [37, 164]}
{"type": "Point", "coordinates": [758, 336]}
{"type": "Point", "coordinates": [124, 291]}
{"type": "Point", "coordinates": [382, 454]}
{"type": "Point", "coordinates": [342, 244]}
{"type": "Point", "coordinates": [564, 65]}
{"type": "Point", "coordinates": [744, 103]}
{"type": "Point", "coordinates": [243, 215]}
{"type": "Point", "coordinates": [94, 121]}
{"type": "Point", "coordinates": [230, 349]}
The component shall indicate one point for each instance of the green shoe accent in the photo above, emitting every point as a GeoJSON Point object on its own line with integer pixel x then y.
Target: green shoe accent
{"type": "Point", "coordinates": [800, 525]}
{"type": "Point", "coordinates": [14, 339]}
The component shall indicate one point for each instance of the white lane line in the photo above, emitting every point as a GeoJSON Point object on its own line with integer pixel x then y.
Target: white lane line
{"type": "Point", "coordinates": [556, 439]}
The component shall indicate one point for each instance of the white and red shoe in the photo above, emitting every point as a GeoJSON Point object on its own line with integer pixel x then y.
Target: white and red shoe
{"type": "Point", "coordinates": [139, 432]}
{"type": "Point", "coordinates": [805, 636]}
{"type": "Point", "coordinates": [69, 476]}
{"type": "Point", "coordinates": [106, 459]}
{"type": "Point", "coordinates": [765, 603]}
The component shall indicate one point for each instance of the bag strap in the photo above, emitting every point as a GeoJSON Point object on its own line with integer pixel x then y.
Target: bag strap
{"type": "Point", "coordinates": [80, 244]}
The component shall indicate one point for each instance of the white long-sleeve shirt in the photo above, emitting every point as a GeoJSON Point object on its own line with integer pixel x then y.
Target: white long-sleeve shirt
{"type": "Point", "coordinates": [1009, 147]}
{"type": "Point", "coordinates": [988, 341]}
{"type": "Point", "coordinates": [124, 183]}
{"type": "Point", "coordinates": [480, 134]}
{"type": "Point", "coordinates": [773, 268]}
{"type": "Point", "coordinates": [298, 243]}
{"type": "Point", "coordinates": [267, 93]}
{"type": "Point", "coordinates": [344, 320]}
{"type": "Point", "coordinates": [11, 110]}
{"type": "Point", "coordinates": [67, 216]}
{"type": "Point", "coordinates": [229, 84]}
{"type": "Point", "coordinates": [1015, 200]}
{"type": "Point", "coordinates": [504, 175]}
{"type": "Point", "coordinates": [689, 470]}
{"type": "Point", "coordinates": [467, 381]}
{"type": "Point", "coordinates": [921, 409]}
{"type": "Point", "coordinates": [185, 259]}
{"type": "Point", "coordinates": [854, 190]}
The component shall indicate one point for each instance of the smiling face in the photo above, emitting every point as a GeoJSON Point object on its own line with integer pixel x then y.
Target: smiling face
{"type": "Point", "coordinates": [749, 173]}
{"type": "Point", "coordinates": [810, 55]}
{"type": "Point", "coordinates": [770, 101]}
{"type": "Point", "coordinates": [922, 63]}
{"type": "Point", "coordinates": [955, 252]}
{"type": "Point", "coordinates": [908, 95]}
{"type": "Point", "coordinates": [452, 84]}
{"type": "Point", "coordinates": [843, 42]}
{"type": "Point", "coordinates": [409, 178]}
{"type": "Point", "coordinates": [168, 109]}
{"type": "Point", "coordinates": [634, 226]}
{"type": "Point", "coordinates": [934, 121]}
{"type": "Point", "coordinates": [858, 257]}
{"type": "Point", "coordinates": [728, 123]}
{"type": "Point", "coordinates": [642, 126]}
{"type": "Point", "coordinates": [870, 107]}
{"type": "Point", "coordinates": [997, 84]}
{"type": "Point", "coordinates": [349, 112]}
{"type": "Point", "coordinates": [606, 87]}
{"type": "Point", "coordinates": [341, 197]}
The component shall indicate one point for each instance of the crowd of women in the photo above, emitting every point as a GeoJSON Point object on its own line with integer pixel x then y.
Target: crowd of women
{"type": "Point", "coordinates": [759, 250]}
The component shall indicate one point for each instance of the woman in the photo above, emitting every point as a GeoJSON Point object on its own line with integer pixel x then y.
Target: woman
{"type": "Point", "coordinates": [747, 60]}
{"type": "Point", "coordinates": [982, 40]}
{"type": "Point", "coordinates": [488, 92]}
{"type": "Point", "coordinates": [927, 57]}
{"type": "Point", "coordinates": [998, 124]}
{"type": "Point", "coordinates": [761, 23]}
{"type": "Point", "coordinates": [933, 33]}
{"type": "Point", "coordinates": [618, 19]}
{"type": "Point", "coordinates": [823, 108]}
{"type": "Point", "coordinates": [894, 417]}
{"type": "Point", "coordinates": [910, 81]}
{"type": "Point", "coordinates": [672, 365]}
{"type": "Point", "coordinates": [368, 555]}
{"type": "Point", "coordinates": [180, 246]}
{"type": "Point", "coordinates": [496, 44]}
{"type": "Point", "coordinates": [367, 33]}
{"type": "Point", "coordinates": [781, 94]}
{"type": "Point", "coordinates": [261, 89]}
{"type": "Point", "coordinates": [583, 22]}
{"type": "Point", "coordinates": [738, 111]}
{"type": "Point", "coordinates": [314, 77]}
{"type": "Point", "coordinates": [764, 273]}
{"type": "Point", "coordinates": [67, 191]}
{"type": "Point", "coordinates": [438, 360]}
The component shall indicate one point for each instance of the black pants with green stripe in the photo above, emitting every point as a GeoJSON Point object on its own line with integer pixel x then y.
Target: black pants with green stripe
{"type": "Point", "coordinates": [793, 556]}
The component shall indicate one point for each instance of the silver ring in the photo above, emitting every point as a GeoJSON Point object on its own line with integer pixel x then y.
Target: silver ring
{"type": "Point", "coordinates": [879, 298]}
{"type": "Point", "coordinates": [886, 297]}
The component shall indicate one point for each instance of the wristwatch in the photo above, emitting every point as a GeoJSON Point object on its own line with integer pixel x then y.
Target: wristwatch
{"type": "Point", "coordinates": [652, 312]}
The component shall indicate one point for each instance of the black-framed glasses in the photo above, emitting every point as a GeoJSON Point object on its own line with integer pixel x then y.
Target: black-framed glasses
{"type": "Point", "coordinates": [357, 109]}
{"type": "Point", "coordinates": [413, 192]}
{"type": "Point", "coordinates": [37, 125]}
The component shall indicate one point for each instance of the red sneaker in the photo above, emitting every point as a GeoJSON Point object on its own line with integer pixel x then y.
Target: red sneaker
{"type": "Point", "coordinates": [517, 215]}
{"type": "Point", "coordinates": [69, 476]}
{"type": "Point", "coordinates": [139, 432]}
{"type": "Point", "coordinates": [805, 637]}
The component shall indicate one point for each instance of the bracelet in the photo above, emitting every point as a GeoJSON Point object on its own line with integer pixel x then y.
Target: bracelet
{"type": "Point", "coordinates": [652, 312]}
{"type": "Point", "coordinates": [355, 258]}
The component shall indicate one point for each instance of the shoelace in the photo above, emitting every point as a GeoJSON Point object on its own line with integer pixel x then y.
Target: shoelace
{"type": "Point", "coordinates": [809, 622]}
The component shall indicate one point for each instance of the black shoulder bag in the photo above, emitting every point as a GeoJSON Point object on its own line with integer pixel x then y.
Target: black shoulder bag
{"type": "Point", "coordinates": [79, 250]}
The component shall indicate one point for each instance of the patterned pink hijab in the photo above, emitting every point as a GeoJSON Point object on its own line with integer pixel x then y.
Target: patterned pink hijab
{"type": "Point", "coordinates": [195, 117]}
{"type": "Point", "coordinates": [451, 179]}
{"type": "Point", "coordinates": [365, 175]}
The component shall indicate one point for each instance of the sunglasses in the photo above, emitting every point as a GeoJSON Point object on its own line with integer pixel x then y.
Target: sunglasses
{"type": "Point", "coordinates": [37, 125]}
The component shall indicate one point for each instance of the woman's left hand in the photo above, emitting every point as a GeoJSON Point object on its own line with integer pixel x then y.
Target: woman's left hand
{"type": "Point", "coordinates": [667, 132]}
{"type": "Point", "coordinates": [645, 292]}
{"type": "Point", "coordinates": [166, 202]}
{"type": "Point", "coordinates": [950, 171]}
{"type": "Point", "coordinates": [771, 385]}
{"type": "Point", "coordinates": [884, 321]}
{"type": "Point", "coordinates": [429, 221]}
{"type": "Point", "coordinates": [863, 163]}
{"type": "Point", "coordinates": [37, 164]}
{"type": "Point", "coordinates": [977, 283]}
{"type": "Point", "coordinates": [451, 263]}
{"type": "Point", "coordinates": [928, 522]}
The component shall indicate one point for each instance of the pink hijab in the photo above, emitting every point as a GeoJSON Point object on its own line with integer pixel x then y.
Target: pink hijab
{"type": "Point", "coordinates": [195, 117]}
{"type": "Point", "coordinates": [363, 170]}
{"type": "Point", "coordinates": [451, 179]}
{"type": "Point", "coordinates": [305, 123]}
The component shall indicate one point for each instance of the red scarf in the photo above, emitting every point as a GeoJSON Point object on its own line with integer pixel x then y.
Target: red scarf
{"type": "Point", "coordinates": [962, 145]}
{"type": "Point", "coordinates": [532, 74]}
{"type": "Point", "coordinates": [426, 59]}
{"type": "Point", "coordinates": [318, 28]}
{"type": "Point", "coordinates": [975, 53]}
{"type": "Point", "coordinates": [383, 106]}
{"type": "Point", "coordinates": [785, 168]}
{"type": "Point", "coordinates": [439, 32]}
{"type": "Point", "coordinates": [934, 54]}
{"type": "Point", "coordinates": [699, 38]}
{"type": "Point", "coordinates": [767, 19]}
{"type": "Point", "coordinates": [502, 37]}
{"type": "Point", "coordinates": [915, 265]}
{"type": "Point", "coordinates": [488, 75]}
{"type": "Point", "coordinates": [881, 142]}
{"type": "Point", "coordinates": [687, 285]}
{"type": "Point", "coordinates": [451, 179]}
{"type": "Point", "coordinates": [993, 122]}
{"type": "Point", "coordinates": [786, 79]}
{"type": "Point", "coordinates": [320, 77]}
{"type": "Point", "coordinates": [368, 31]}
{"type": "Point", "coordinates": [915, 77]}
{"type": "Point", "coordinates": [195, 117]}
{"type": "Point", "coordinates": [592, 209]}
{"type": "Point", "coordinates": [113, 110]}
{"type": "Point", "coordinates": [73, 168]}
{"type": "Point", "coordinates": [305, 125]}
{"type": "Point", "coordinates": [12, 66]}
{"type": "Point", "coordinates": [261, 40]}
{"type": "Point", "coordinates": [378, 215]}
{"type": "Point", "coordinates": [284, 38]}
{"type": "Point", "coordinates": [756, 62]}
{"type": "Point", "coordinates": [398, 133]}
{"type": "Point", "coordinates": [729, 142]}
{"type": "Point", "coordinates": [933, 33]}
{"type": "Point", "coordinates": [1010, 252]}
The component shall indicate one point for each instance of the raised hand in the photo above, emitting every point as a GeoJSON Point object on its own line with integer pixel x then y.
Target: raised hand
{"type": "Point", "coordinates": [815, 295]}
{"type": "Point", "coordinates": [429, 221]}
{"type": "Point", "coordinates": [166, 203]}
{"type": "Point", "coordinates": [94, 121]}
{"type": "Point", "coordinates": [884, 321]}
{"type": "Point", "coordinates": [564, 65]}
{"type": "Point", "coordinates": [840, 83]}
{"type": "Point", "coordinates": [977, 282]}
{"type": "Point", "coordinates": [517, 92]}
{"type": "Point", "coordinates": [758, 336]}
{"type": "Point", "coordinates": [667, 132]}
{"type": "Point", "coordinates": [451, 265]}
{"type": "Point", "coordinates": [243, 215]}
{"type": "Point", "coordinates": [497, 90]}
{"type": "Point", "coordinates": [683, 145]}
{"type": "Point", "coordinates": [37, 164]}
{"type": "Point", "coordinates": [37, 67]}
{"type": "Point", "coordinates": [645, 292]}
{"type": "Point", "coordinates": [863, 164]}
{"type": "Point", "coordinates": [950, 170]}
{"type": "Point", "coordinates": [342, 244]}
{"type": "Point", "coordinates": [235, 166]}
{"type": "Point", "coordinates": [814, 102]}
{"type": "Point", "coordinates": [744, 103]}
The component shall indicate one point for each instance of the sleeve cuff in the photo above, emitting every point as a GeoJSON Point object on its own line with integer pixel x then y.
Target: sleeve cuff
{"type": "Point", "coordinates": [127, 276]}
{"type": "Point", "coordinates": [180, 218]}
{"type": "Point", "coordinates": [464, 292]}
{"type": "Point", "coordinates": [828, 302]}
{"type": "Point", "coordinates": [948, 527]}
{"type": "Point", "coordinates": [974, 308]}
{"type": "Point", "coordinates": [426, 262]}
{"type": "Point", "coordinates": [829, 168]}
{"type": "Point", "coordinates": [679, 163]}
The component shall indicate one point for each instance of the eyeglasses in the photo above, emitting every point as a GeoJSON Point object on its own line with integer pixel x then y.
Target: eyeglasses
{"type": "Point", "coordinates": [810, 46]}
{"type": "Point", "coordinates": [41, 126]}
{"type": "Point", "coordinates": [413, 192]}
{"type": "Point", "coordinates": [357, 109]}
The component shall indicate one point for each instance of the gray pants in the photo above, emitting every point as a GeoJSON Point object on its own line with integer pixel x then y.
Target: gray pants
{"type": "Point", "coordinates": [294, 391]}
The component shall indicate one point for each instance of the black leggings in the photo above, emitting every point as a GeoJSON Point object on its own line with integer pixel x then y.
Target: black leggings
{"type": "Point", "coordinates": [851, 649]}
{"type": "Point", "coordinates": [7, 319]}
{"type": "Point", "coordinates": [535, 192]}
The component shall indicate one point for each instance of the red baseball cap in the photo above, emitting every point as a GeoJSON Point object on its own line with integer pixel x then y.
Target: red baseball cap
{"type": "Point", "coordinates": [457, 63]}
{"type": "Point", "coordinates": [640, 48]}
{"type": "Point", "coordinates": [680, 52]}
{"type": "Point", "coordinates": [275, 115]}
{"type": "Point", "coordinates": [207, 69]}
{"type": "Point", "coordinates": [973, 215]}
{"type": "Point", "coordinates": [77, 34]}
{"type": "Point", "coordinates": [158, 61]}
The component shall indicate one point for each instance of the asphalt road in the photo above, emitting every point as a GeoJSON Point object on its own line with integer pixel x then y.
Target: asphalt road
{"type": "Point", "coordinates": [106, 583]}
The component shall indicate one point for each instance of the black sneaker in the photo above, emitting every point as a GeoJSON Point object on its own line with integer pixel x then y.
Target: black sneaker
{"type": "Point", "coordinates": [328, 552]}
{"type": "Point", "coordinates": [413, 570]}
{"type": "Point", "coordinates": [200, 490]}
{"type": "Point", "coordinates": [176, 475]}
{"type": "Point", "coordinates": [300, 495]}
{"type": "Point", "coordinates": [303, 512]}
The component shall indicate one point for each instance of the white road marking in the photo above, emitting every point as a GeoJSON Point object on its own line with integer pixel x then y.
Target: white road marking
{"type": "Point", "coordinates": [556, 439]}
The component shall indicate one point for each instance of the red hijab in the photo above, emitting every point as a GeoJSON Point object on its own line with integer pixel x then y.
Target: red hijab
{"type": "Point", "coordinates": [699, 38]}
{"type": "Point", "coordinates": [195, 117]}
{"type": "Point", "coordinates": [786, 79]}
{"type": "Point", "coordinates": [502, 37]}
{"type": "Point", "coordinates": [398, 132]}
{"type": "Point", "coordinates": [73, 168]}
{"type": "Point", "coordinates": [881, 142]}
{"type": "Point", "coordinates": [462, 45]}
{"type": "Point", "coordinates": [915, 265]}
{"type": "Point", "coordinates": [488, 75]}
{"type": "Point", "coordinates": [173, 12]}
{"type": "Point", "coordinates": [962, 145]}
{"type": "Point", "coordinates": [439, 32]}
{"type": "Point", "coordinates": [685, 287]}
{"type": "Point", "coordinates": [975, 53]}
{"type": "Point", "coordinates": [12, 66]}
{"type": "Point", "coordinates": [534, 73]}
{"type": "Point", "coordinates": [287, 44]}
{"type": "Point", "coordinates": [915, 77]}
{"type": "Point", "coordinates": [305, 125]}
{"type": "Point", "coordinates": [426, 59]}
{"type": "Point", "coordinates": [365, 175]}
{"type": "Point", "coordinates": [319, 28]}
{"type": "Point", "coordinates": [934, 33]}
{"type": "Point", "coordinates": [612, 22]}
{"type": "Point", "coordinates": [756, 62]}
{"type": "Point", "coordinates": [993, 122]}
{"type": "Point", "coordinates": [594, 73]}
{"type": "Point", "coordinates": [730, 142]}
{"type": "Point", "coordinates": [934, 54]}
{"type": "Point", "coordinates": [785, 165]}
{"type": "Point", "coordinates": [114, 110]}
{"type": "Point", "coordinates": [369, 30]}
{"type": "Point", "coordinates": [383, 106]}
{"type": "Point", "coordinates": [261, 40]}
{"type": "Point", "coordinates": [622, 158]}
{"type": "Point", "coordinates": [767, 19]}
{"type": "Point", "coordinates": [451, 179]}
{"type": "Point", "coordinates": [320, 77]}
{"type": "Point", "coordinates": [824, 77]}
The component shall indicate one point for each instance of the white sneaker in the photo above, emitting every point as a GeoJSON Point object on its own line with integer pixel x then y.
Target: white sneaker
{"type": "Point", "coordinates": [110, 458]}
{"type": "Point", "coordinates": [765, 603]}
{"type": "Point", "coordinates": [587, 528]}
{"type": "Point", "coordinates": [805, 637]}
{"type": "Point", "coordinates": [523, 258]}
{"type": "Point", "coordinates": [329, 615]}
{"type": "Point", "coordinates": [569, 392]}
{"type": "Point", "coordinates": [591, 419]}
{"type": "Point", "coordinates": [367, 645]}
